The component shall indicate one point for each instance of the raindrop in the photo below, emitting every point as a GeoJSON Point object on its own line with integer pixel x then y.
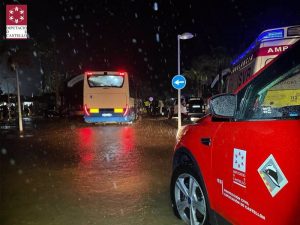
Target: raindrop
{"type": "Point", "coordinates": [136, 15]}
{"type": "Point", "coordinates": [157, 37]}
{"type": "Point", "coordinates": [41, 71]}
{"type": "Point", "coordinates": [12, 162]}
{"type": "Point", "coordinates": [140, 50]}
{"type": "Point", "coordinates": [3, 151]}
{"type": "Point", "coordinates": [146, 59]}
{"type": "Point", "coordinates": [63, 18]}
{"type": "Point", "coordinates": [69, 35]}
{"type": "Point", "coordinates": [77, 17]}
{"type": "Point", "coordinates": [155, 6]}
{"type": "Point", "coordinates": [48, 28]}
{"type": "Point", "coordinates": [20, 172]}
{"type": "Point", "coordinates": [134, 40]}
{"type": "Point", "coordinates": [115, 185]}
{"type": "Point", "coordinates": [34, 54]}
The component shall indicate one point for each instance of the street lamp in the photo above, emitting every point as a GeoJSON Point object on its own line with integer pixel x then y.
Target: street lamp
{"type": "Point", "coordinates": [184, 36]}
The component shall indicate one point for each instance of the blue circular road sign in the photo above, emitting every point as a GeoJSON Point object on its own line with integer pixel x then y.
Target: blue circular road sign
{"type": "Point", "coordinates": [178, 82]}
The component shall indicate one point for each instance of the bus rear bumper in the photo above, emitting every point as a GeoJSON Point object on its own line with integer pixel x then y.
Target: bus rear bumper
{"type": "Point", "coordinates": [110, 119]}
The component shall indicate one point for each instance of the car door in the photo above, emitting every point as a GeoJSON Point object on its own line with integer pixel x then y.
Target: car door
{"type": "Point", "coordinates": [255, 157]}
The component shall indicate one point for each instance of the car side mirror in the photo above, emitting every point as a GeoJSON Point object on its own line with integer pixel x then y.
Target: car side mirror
{"type": "Point", "coordinates": [223, 106]}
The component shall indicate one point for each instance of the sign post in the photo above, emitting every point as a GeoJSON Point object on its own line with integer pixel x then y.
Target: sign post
{"type": "Point", "coordinates": [179, 82]}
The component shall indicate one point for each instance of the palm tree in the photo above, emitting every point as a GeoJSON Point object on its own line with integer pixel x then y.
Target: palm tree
{"type": "Point", "coordinates": [204, 68]}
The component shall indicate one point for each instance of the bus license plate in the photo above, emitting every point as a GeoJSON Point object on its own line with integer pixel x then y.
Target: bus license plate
{"type": "Point", "coordinates": [106, 114]}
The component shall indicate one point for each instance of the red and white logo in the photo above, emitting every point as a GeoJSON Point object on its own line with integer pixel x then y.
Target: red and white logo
{"type": "Point", "coordinates": [272, 50]}
{"type": "Point", "coordinates": [16, 21]}
{"type": "Point", "coordinates": [239, 167]}
{"type": "Point", "coordinates": [16, 15]}
{"type": "Point", "coordinates": [239, 160]}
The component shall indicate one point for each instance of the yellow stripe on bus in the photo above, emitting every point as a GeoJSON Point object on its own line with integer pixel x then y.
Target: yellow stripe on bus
{"type": "Point", "coordinates": [94, 110]}
{"type": "Point", "coordinates": [118, 110]}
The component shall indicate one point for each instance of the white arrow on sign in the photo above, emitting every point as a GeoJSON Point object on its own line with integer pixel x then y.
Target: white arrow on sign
{"type": "Point", "coordinates": [177, 82]}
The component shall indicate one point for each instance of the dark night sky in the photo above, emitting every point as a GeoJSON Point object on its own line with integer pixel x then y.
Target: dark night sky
{"type": "Point", "coordinates": [123, 34]}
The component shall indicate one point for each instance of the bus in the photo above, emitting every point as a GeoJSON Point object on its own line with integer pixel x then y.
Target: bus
{"type": "Point", "coordinates": [106, 97]}
{"type": "Point", "coordinates": [267, 46]}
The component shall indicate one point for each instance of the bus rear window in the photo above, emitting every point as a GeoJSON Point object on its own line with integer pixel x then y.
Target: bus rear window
{"type": "Point", "coordinates": [105, 81]}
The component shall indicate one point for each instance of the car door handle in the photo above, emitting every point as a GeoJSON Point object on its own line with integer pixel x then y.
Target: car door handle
{"type": "Point", "coordinates": [206, 141]}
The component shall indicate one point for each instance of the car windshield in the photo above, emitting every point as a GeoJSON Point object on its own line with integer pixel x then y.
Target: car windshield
{"type": "Point", "coordinates": [195, 102]}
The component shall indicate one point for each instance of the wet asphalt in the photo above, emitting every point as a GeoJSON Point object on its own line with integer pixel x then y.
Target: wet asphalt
{"type": "Point", "coordinates": [64, 172]}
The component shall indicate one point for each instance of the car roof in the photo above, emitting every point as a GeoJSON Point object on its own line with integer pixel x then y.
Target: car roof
{"type": "Point", "coordinates": [194, 98]}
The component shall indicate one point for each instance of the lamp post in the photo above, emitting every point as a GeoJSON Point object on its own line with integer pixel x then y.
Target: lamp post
{"type": "Point", "coordinates": [15, 67]}
{"type": "Point", "coordinates": [184, 36]}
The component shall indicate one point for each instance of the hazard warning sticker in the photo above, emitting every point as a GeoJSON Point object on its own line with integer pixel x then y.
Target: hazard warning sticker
{"type": "Point", "coordinates": [272, 175]}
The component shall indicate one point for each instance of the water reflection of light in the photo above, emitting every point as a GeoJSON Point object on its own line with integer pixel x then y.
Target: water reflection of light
{"type": "Point", "coordinates": [127, 139]}
{"type": "Point", "coordinates": [114, 173]}
{"type": "Point", "coordinates": [85, 144]}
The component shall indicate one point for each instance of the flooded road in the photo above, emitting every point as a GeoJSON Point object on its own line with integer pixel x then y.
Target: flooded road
{"type": "Point", "coordinates": [67, 172]}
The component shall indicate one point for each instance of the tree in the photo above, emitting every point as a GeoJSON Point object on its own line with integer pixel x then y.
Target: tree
{"type": "Point", "coordinates": [52, 78]}
{"type": "Point", "coordinates": [204, 68]}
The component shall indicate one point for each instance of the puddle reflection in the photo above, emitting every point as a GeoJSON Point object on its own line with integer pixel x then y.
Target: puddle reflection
{"type": "Point", "coordinates": [110, 165]}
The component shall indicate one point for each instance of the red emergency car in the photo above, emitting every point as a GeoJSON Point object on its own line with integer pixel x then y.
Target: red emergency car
{"type": "Point", "coordinates": [240, 164]}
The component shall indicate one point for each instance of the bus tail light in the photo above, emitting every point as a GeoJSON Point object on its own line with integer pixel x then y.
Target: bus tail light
{"type": "Point", "coordinates": [89, 73]}
{"type": "Point", "coordinates": [86, 110]}
{"type": "Point", "coordinates": [117, 110]}
{"type": "Point", "coordinates": [126, 111]}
